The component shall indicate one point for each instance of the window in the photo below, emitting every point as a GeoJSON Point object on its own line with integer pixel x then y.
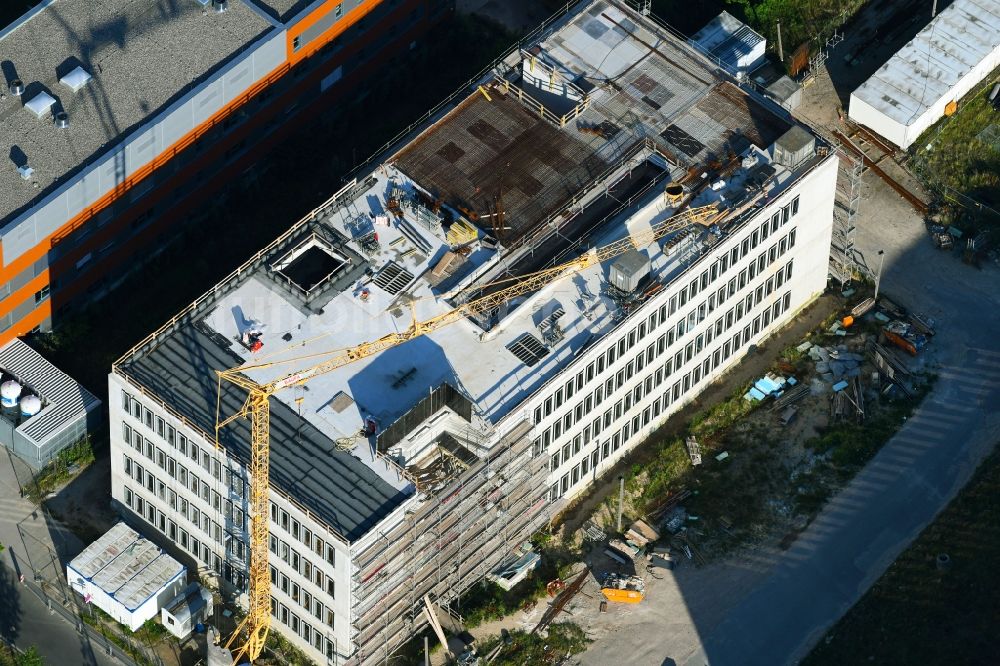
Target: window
{"type": "Point", "coordinates": [42, 294]}
{"type": "Point", "coordinates": [795, 206]}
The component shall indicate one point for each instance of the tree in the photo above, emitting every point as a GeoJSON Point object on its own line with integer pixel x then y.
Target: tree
{"type": "Point", "coordinates": [30, 657]}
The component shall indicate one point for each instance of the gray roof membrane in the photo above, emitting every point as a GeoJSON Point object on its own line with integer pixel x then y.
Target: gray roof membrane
{"type": "Point", "coordinates": [305, 464]}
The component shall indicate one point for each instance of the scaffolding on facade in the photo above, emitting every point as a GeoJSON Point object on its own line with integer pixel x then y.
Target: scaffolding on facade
{"type": "Point", "coordinates": [460, 531]}
{"type": "Point", "coordinates": [843, 255]}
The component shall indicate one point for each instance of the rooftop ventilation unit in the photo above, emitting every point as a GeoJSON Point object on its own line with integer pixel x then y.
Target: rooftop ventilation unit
{"type": "Point", "coordinates": [16, 87]}
{"type": "Point", "coordinates": [628, 270]}
{"type": "Point", "coordinates": [794, 147]}
{"type": "Point", "coordinates": [62, 120]}
{"type": "Point", "coordinates": [76, 79]}
{"type": "Point", "coordinates": [25, 172]}
{"type": "Point", "coordinates": [41, 104]}
{"type": "Point", "coordinates": [220, 6]}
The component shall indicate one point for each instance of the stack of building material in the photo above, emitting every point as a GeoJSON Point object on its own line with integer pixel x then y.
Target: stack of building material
{"type": "Point", "coordinates": [641, 533]}
{"type": "Point", "coordinates": [769, 385]}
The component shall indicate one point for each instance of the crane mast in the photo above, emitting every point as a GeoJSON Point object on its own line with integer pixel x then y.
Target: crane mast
{"type": "Point", "coordinates": [250, 636]}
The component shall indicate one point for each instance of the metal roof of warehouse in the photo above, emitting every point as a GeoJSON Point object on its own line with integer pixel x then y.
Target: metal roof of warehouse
{"type": "Point", "coordinates": [141, 54]}
{"type": "Point", "coordinates": [64, 399]}
{"type": "Point", "coordinates": [925, 70]}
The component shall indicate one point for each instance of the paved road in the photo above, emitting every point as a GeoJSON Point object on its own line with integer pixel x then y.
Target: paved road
{"type": "Point", "coordinates": [865, 527]}
{"type": "Point", "coordinates": [24, 620]}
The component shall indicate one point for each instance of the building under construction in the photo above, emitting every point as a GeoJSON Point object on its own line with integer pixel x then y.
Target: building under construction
{"type": "Point", "coordinates": [467, 335]}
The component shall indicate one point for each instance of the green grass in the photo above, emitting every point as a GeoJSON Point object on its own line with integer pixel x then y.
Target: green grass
{"type": "Point", "coordinates": [30, 657]}
{"type": "Point", "coordinates": [115, 632]}
{"type": "Point", "coordinates": [916, 614]}
{"type": "Point", "coordinates": [285, 651]}
{"type": "Point", "coordinates": [61, 469]}
{"type": "Point", "coordinates": [959, 164]}
{"type": "Point", "coordinates": [564, 639]}
{"type": "Point", "coordinates": [851, 445]}
{"type": "Point", "coordinates": [488, 601]}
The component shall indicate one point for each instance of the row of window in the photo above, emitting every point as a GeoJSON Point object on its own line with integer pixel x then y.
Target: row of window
{"type": "Point", "coordinates": [233, 511]}
{"type": "Point", "coordinates": [311, 603]}
{"type": "Point", "coordinates": [314, 637]}
{"type": "Point", "coordinates": [233, 477]}
{"type": "Point", "coordinates": [201, 550]}
{"type": "Point", "coordinates": [697, 285]}
{"type": "Point", "coordinates": [686, 324]}
{"type": "Point", "coordinates": [302, 566]}
{"type": "Point", "coordinates": [235, 516]}
{"type": "Point", "coordinates": [610, 446]}
{"type": "Point", "coordinates": [313, 542]}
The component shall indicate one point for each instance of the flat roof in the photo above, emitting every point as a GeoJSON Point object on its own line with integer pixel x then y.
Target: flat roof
{"type": "Point", "coordinates": [926, 69]}
{"type": "Point", "coordinates": [285, 9]}
{"type": "Point", "coordinates": [728, 39]}
{"type": "Point", "coordinates": [63, 398]}
{"type": "Point", "coordinates": [141, 55]}
{"type": "Point", "coordinates": [414, 253]}
{"type": "Point", "coordinates": [126, 566]}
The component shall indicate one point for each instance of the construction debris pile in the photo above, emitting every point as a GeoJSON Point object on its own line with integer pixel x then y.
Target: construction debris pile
{"type": "Point", "coordinates": [770, 385]}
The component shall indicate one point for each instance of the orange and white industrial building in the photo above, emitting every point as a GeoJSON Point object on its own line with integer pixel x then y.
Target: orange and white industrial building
{"type": "Point", "coordinates": [119, 119]}
{"type": "Point", "coordinates": [421, 467]}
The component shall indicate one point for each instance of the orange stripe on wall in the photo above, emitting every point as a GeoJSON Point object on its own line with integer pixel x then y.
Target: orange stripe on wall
{"type": "Point", "coordinates": [339, 26]}
{"type": "Point", "coordinates": [30, 321]}
{"type": "Point", "coordinates": [44, 245]}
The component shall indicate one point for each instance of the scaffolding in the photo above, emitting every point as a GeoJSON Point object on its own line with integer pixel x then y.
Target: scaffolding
{"type": "Point", "coordinates": [843, 257]}
{"type": "Point", "coordinates": [455, 533]}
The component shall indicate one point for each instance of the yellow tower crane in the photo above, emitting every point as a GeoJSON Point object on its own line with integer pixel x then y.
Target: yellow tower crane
{"type": "Point", "coordinates": [247, 641]}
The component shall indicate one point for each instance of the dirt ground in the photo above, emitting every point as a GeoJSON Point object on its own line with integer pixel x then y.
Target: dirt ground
{"type": "Point", "coordinates": [752, 366]}
{"type": "Point", "coordinates": [74, 504]}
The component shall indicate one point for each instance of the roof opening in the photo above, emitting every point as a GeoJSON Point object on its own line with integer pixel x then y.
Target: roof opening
{"type": "Point", "coordinates": [528, 349]}
{"type": "Point", "coordinates": [311, 263]}
{"type": "Point", "coordinates": [393, 278]}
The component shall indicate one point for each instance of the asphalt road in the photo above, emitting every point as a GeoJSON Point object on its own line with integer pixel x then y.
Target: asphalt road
{"type": "Point", "coordinates": [865, 527]}
{"type": "Point", "coordinates": [24, 619]}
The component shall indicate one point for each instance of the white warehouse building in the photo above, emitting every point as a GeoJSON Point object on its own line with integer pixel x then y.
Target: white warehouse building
{"type": "Point", "coordinates": [416, 471]}
{"type": "Point", "coordinates": [947, 59]}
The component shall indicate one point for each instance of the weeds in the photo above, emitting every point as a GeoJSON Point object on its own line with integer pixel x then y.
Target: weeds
{"type": "Point", "coordinates": [564, 639]}
{"type": "Point", "coordinates": [61, 469]}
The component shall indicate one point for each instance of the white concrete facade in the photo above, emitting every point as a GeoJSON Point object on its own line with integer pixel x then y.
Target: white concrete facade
{"type": "Point", "coordinates": [612, 396]}
{"type": "Point", "coordinates": [169, 479]}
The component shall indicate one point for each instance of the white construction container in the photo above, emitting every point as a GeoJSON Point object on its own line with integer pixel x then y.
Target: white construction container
{"type": "Point", "coordinates": [127, 576]}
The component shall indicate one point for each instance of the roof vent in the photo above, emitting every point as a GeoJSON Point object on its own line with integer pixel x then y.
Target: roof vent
{"type": "Point", "coordinates": [16, 87]}
{"type": "Point", "coordinates": [76, 79]}
{"type": "Point", "coordinates": [62, 120]}
{"type": "Point", "coordinates": [41, 104]}
{"type": "Point", "coordinates": [25, 172]}
{"type": "Point", "coordinates": [220, 6]}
